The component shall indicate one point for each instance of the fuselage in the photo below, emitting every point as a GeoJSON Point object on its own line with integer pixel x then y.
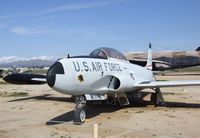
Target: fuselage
{"type": "Point", "coordinates": [96, 76]}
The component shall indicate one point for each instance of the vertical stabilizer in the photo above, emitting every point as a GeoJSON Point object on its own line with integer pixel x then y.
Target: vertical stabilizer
{"type": "Point", "coordinates": [149, 59]}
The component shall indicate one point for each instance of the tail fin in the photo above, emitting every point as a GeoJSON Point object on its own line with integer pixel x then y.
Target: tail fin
{"type": "Point", "coordinates": [149, 60]}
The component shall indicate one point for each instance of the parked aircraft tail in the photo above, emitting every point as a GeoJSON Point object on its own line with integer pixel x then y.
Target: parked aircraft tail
{"type": "Point", "coordinates": [149, 59]}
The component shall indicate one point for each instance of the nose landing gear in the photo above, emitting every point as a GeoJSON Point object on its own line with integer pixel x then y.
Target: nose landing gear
{"type": "Point", "coordinates": [79, 111]}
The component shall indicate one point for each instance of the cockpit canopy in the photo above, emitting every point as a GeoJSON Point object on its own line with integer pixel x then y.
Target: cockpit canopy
{"type": "Point", "coordinates": [106, 53]}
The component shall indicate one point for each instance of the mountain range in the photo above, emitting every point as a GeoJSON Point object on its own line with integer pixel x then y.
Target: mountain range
{"type": "Point", "coordinates": [33, 63]}
{"type": "Point", "coordinates": [175, 58]}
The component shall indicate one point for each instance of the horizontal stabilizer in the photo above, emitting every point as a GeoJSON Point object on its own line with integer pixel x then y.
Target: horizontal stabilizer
{"type": "Point", "coordinates": [20, 78]}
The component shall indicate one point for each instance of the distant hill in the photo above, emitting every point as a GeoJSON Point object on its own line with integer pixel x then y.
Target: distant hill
{"type": "Point", "coordinates": [29, 64]}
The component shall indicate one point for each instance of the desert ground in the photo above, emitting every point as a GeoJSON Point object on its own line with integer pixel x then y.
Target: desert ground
{"type": "Point", "coordinates": [38, 111]}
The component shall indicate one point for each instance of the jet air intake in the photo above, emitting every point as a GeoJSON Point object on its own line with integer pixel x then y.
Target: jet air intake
{"type": "Point", "coordinates": [56, 68]}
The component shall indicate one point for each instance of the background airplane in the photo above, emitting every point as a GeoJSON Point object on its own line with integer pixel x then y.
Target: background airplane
{"type": "Point", "coordinates": [105, 74]}
{"type": "Point", "coordinates": [165, 60]}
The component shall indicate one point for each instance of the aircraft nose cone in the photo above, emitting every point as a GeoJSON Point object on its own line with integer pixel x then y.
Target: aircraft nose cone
{"type": "Point", "coordinates": [56, 68]}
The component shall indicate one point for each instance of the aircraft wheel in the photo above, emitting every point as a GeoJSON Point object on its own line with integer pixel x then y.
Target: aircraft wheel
{"type": "Point", "coordinates": [154, 98]}
{"type": "Point", "coordinates": [79, 116]}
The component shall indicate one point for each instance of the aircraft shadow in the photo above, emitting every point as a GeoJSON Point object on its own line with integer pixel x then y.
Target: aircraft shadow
{"type": "Point", "coordinates": [45, 97]}
{"type": "Point", "coordinates": [167, 104]}
{"type": "Point", "coordinates": [91, 112]}
{"type": "Point", "coordinates": [182, 105]}
{"type": "Point", "coordinates": [66, 117]}
{"type": "Point", "coordinates": [95, 110]}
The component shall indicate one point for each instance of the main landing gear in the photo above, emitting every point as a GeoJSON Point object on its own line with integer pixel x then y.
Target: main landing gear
{"type": "Point", "coordinates": [157, 98]}
{"type": "Point", "coordinates": [79, 111]}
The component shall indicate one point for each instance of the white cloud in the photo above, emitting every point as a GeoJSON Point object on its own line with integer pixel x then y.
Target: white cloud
{"type": "Point", "coordinates": [25, 31]}
{"type": "Point", "coordinates": [43, 58]}
{"type": "Point", "coordinates": [22, 30]}
{"type": "Point", "coordinates": [66, 7]}
{"type": "Point", "coordinates": [9, 59]}
{"type": "Point", "coordinates": [79, 6]}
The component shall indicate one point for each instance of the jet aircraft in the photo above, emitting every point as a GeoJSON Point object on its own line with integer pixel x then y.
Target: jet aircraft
{"type": "Point", "coordinates": [105, 74]}
{"type": "Point", "coordinates": [167, 60]}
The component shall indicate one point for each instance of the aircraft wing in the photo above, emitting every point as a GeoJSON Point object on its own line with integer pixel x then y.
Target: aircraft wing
{"type": "Point", "coordinates": [158, 84]}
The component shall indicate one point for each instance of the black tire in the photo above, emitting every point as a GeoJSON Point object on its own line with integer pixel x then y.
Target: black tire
{"type": "Point", "coordinates": [79, 116]}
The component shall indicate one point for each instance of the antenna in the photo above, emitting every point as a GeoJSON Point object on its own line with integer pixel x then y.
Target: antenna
{"type": "Point", "coordinates": [150, 45]}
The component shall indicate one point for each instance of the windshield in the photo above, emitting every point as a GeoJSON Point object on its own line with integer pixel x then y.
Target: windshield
{"type": "Point", "coordinates": [108, 53]}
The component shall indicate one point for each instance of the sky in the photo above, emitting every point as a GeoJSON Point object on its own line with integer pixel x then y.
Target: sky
{"type": "Point", "coordinates": [55, 28]}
